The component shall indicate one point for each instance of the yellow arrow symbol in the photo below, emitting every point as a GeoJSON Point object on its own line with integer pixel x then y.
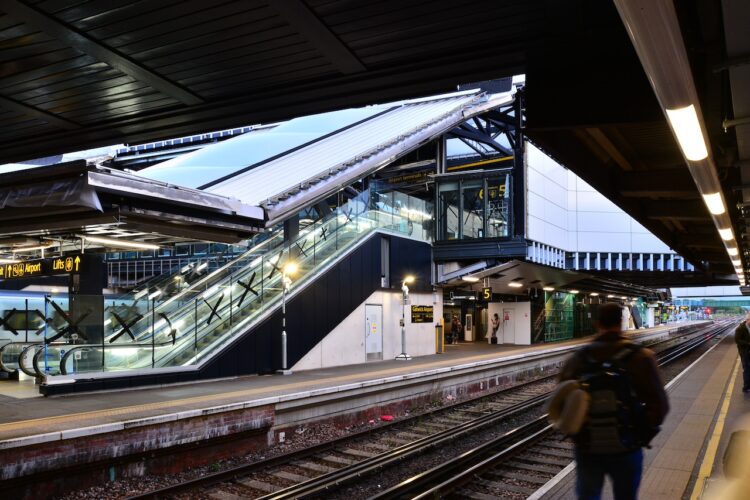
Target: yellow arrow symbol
{"type": "Point", "coordinates": [77, 261]}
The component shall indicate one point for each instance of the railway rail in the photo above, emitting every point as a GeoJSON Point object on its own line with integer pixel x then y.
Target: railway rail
{"type": "Point", "coordinates": [316, 471]}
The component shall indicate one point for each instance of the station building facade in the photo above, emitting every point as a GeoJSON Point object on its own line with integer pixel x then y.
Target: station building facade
{"type": "Point", "coordinates": [318, 242]}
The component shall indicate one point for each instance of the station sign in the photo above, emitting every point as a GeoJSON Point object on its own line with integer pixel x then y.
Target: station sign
{"type": "Point", "coordinates": [487, 294]}
{"type": "Point", "coordinates": [421, 314]}
{"type": "Point", "coordinates": [69, 264]}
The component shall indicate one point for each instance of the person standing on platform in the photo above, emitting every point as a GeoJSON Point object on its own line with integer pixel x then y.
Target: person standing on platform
{"type": "Point", "coordinates": [742, 339]}
{"type": "Point", "coordinates": [626, 404]}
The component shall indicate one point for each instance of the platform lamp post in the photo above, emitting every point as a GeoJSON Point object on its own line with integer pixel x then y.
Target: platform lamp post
{"type": "Point", "coordinates": [289, 269]}
{"type": "Point", "coordinates": [405, 296]}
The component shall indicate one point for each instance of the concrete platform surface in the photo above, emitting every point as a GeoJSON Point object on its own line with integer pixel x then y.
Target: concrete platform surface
{"type": "Point", "coordinates": [22, 416]}
{"type": "Point", "coordinates": [674, 461]}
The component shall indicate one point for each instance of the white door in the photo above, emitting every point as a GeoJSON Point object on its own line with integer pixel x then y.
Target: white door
{"type": "Point", "coordinates": [373, 332]}
{"type": "Point", "coordinates": [509, 327]}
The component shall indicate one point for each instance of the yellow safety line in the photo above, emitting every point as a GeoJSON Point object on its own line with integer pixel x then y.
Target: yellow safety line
{"type": "Point", "coordinates": [479, 163]}
{"type": "Point", "coordinates": [713, 444]}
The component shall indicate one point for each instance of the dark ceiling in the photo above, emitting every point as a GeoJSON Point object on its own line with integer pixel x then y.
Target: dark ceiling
{"type": "Point", "coordinates": [591, 107]}
{"type": "Point", "coordinates": [78, 74]}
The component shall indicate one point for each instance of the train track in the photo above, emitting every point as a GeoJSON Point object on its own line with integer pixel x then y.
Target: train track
{"type": "Point", "coordinates": [314, 471]}
{"type": "Point", "coordinates": [520, 463]}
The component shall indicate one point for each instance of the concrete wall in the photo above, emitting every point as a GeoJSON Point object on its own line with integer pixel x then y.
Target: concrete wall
{"type": "Point", "coordinates": [345, 345]}
{"type": "Point", "coordinates": [520, 314]}
{"type": "Point", "coordinates": [567, 213]}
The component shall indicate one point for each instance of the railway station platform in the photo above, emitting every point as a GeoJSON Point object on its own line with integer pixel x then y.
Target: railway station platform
{"type": "Point", "coordinates": [685, 460]}
{"type": "Point", "coordinates": [39, 434]}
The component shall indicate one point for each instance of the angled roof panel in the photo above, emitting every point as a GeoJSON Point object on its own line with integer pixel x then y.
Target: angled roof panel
{"type": "Point", "coordinates": [287, 174]}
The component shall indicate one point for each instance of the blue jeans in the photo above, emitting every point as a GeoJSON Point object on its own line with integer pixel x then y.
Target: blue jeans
{"type": "Point", "coordinates": [624, 470]}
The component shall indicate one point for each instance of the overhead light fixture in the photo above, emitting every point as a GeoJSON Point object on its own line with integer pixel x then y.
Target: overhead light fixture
{"type": "Point", "coordinates": [624, 298]}
{"type": "Point", "coordinates": [684, 122]}
{"type": "Point", "coordinates": [548, 289]}
{"type": "Point", "coordinates": [470, 279]}
{"type": "Point", "coordinates": [154, 294]}
{"type": "Point", "coordinates": [715, 203]}
{"type": "Point", "coordinates": [118, 243]}
{"type": "Point", "coordinates": [594, 294]}
{"type": "Point", "coordinates": [610, 296]}
{"type": "Point", "coordinates": [726, 234]}
{"type": "Point", "coordinates": [32, 249]}
{"type": "Point", "coordinates": [573, 291]}
{"type": "Point", "coordinates": [515, 284]}
{"type": "Point", "coordinates": [9, 261]}
{"type": "Point", "coordinates": [733, 251]}
{"type": "Point", "coordinates": [201, 267]}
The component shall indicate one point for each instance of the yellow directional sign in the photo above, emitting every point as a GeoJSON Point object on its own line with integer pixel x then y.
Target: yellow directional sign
{"type": "Point", "coordinates": [44, 267]}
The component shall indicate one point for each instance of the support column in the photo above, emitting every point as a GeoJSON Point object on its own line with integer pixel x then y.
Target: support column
{"type": "Point", "coordinates": [519, 170]}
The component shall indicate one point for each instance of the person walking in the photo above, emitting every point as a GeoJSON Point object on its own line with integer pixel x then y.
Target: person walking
{"type": "Point", "coordinates": [626, 405]}
{"type": "Point", "coordinates": [742, 339]}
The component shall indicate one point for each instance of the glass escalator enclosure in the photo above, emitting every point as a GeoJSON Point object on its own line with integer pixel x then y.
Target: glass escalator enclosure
{"type": "Point", "coordinates": [191, 326]}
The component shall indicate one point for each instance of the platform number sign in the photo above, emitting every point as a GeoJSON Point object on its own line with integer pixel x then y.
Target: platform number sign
{"type": "Point", "coordinates": [487, 294]}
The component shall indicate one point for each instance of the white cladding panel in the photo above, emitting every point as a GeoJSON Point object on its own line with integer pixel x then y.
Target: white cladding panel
{"type": "Point", "coordinates": [567, 213]}
{"type": "Point", "coordinates": [345, 344]}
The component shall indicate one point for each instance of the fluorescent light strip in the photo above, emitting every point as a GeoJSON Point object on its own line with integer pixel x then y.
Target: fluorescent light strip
{"type": "Point", "coordinates": [470, 279]}
{"type": "Point", "coordinates": [513, 284]}
{"type": "Point", "coordinates": [733, 251]}
{"type": "Point", "coordinates": [573, 291]}
{"type": "Point", "coordinates": [9, 261]}
{"type": "Point", "coordinates": [117, 243]}
{"type": "Point", "coordinates": [715, 203]}
{"type": "Point", "coordinates": [594, 294]}
{"type": "Point", "coordinates": [32, 249]}
{"type": "Point", "coordinates": [726, 234]}
{"type": "Point", "coordinates": [684, 122]}
{"type": "Point", "coordinates": [548, 289]}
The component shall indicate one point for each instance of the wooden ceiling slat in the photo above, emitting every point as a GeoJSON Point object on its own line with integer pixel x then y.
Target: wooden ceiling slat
{"type": "Point", "coordinates": [124, 111]}
{"type": "Point", "coordinates": [100, 13]}
{"type": "Point", "coordinates": [389, 54]}
{"type": "Point", "coordinates": [37, 113]}
{"type": "Point", "coordinates": [86, 44]}
{"type": "Point", "coordinates": [215, 31]}
{"type": "Point", "coordinates": [58, 82]}
{"type": "Point", "coordinates": [79, 101]}
{"type": "Point", "coordinates": [72, 111]}
{"type": "Point", "coordinates": [92, 91]}
{"type": "Point", "coordinates": [9, 77]}
{"type": "Point", "coordinates": [190, 13]}
{"type": "Point", "coordinates": [68, 86]}
{"type": "Point", "coordinates": [298, 15]}
{"type": "Point", "coordinates": [229, 59]}
{"type": "Point", "coordinates": [215, 53]}
{"type": "Point", "coordinates": [9, 55]}
{"type": "Point", "coordinates": [247, 65]}
{"type": "Point", "coordinates": [57, 5]}
{"type": "Point", "coordinates": [251, 80]}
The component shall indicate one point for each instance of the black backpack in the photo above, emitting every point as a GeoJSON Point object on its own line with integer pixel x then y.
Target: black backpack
{"type": "Point", "coordinates": [615, 421]}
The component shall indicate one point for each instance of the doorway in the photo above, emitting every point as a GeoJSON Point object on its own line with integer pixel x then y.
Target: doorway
{"type": "Point", "coordinates": [509, 326]}
{"type": "Point", "coordinates": [373, 332]}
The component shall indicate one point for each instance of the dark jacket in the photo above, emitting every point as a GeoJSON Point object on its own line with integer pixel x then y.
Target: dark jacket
{"type": "Point", "coordinates": [742, 337]}
{"type": "Point", "coordinates": [641, 366]}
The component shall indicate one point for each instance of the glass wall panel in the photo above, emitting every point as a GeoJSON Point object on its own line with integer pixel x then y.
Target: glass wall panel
{"type": "Point", "coordinates": [498, 203]}
{"type": "Point", "coordinates": [448, 202]}
{"type": "Point", "coordinates": [472, 205]}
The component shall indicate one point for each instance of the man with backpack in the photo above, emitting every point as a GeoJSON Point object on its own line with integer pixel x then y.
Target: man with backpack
{"type": "Point", "coordinates": [742, 339]}
{"type": "Point", "coordinates": [625, 405]}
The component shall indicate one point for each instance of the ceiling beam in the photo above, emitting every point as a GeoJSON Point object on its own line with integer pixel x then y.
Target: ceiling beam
{"type": "Point", "coordinates": [83, 43]}
{"type": "Point", "coordinates": [601, 138]}
{"type": "Point", "coordinates": [31, 111]}
{"type": "Point", "coordinates": [672, 183]}
{"type": "Point", "coordinates": [304, 20]}
{"type": "Point", "coordinates": [682, 210]}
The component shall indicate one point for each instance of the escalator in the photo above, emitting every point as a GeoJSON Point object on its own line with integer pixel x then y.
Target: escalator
{"type": "Point", "coordinates": [192, 326]}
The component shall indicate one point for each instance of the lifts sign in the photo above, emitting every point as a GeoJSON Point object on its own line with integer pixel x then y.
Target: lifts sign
{"type": "Point", "coordinates": [72, 264]}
